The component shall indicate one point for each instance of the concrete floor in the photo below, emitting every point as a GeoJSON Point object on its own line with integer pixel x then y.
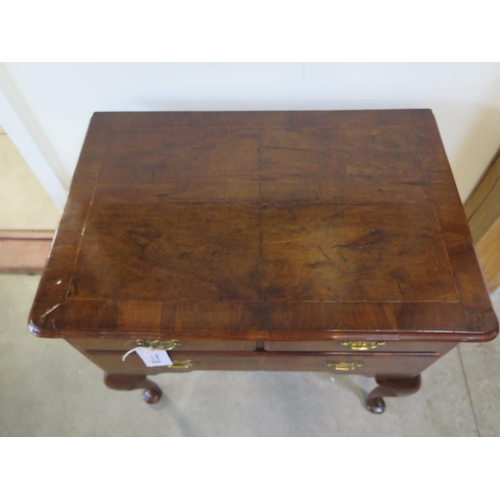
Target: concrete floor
{"type": "Point", "coordinates": [47, 388]}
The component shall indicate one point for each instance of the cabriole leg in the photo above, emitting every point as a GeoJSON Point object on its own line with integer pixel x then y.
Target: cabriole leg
{"type": "Point", "coordinates": [151, 395]}
{"type": "Point", "coordinates": [391, 387]}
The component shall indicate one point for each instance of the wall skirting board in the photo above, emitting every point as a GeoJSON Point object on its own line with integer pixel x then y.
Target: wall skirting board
{"type": "Point", "coordinates": [24, 251]}
{"type": "Point", "coordinates": [483, 212]}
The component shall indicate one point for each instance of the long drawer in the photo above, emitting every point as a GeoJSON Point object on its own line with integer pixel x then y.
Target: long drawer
{"type": "Point", "coordinates": [407, 364]}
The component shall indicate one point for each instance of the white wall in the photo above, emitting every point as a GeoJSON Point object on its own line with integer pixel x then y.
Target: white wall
{"type": "Point", "coordinates": [60, 98]}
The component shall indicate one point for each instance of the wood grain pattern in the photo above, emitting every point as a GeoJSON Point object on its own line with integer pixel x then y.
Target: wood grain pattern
{"type": "Point", "coordinates": [264, 226]}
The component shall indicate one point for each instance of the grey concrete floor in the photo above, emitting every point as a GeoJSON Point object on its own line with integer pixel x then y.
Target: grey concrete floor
{"type": "Point", "coordinates": [47, 388]}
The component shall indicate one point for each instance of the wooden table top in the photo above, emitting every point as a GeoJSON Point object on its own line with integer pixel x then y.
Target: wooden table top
{"type": "Point", "coordinates": [264, 226]}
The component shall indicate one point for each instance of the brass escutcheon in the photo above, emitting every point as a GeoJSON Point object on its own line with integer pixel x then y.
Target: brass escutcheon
{"type": "Point", "coordinates": [343, 366]}
{"type": "Point", "coordinates": [159, 345]}
{"type": "Point", "coordinates": [362, 346]}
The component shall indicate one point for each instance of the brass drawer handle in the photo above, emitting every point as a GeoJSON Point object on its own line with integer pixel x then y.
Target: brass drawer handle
{"type": "Point", "coordinates": [187, 363]}
{"type": "Point", "coordinates": [343, 366]}
{"type": "Point", "coordinates": [159, 345]}
{"type": "Point", "coordinates": [362, 346]}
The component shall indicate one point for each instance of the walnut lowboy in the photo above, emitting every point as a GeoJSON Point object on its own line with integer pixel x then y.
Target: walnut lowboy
{"type": "Point", "coordinates": [303, 241]}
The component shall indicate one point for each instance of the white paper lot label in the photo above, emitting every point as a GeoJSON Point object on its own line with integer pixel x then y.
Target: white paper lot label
{"type": "Point", "coordinates": [151, 357]}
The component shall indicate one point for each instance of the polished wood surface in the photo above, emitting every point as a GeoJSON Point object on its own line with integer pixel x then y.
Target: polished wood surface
{"type": "Point", "coordinates": [264, 226]}
{"type": "Point", "coordinates": [186, 345]}
{"type": "Point", "coordinates": [93, 344]}
{"type": "Point", "coordinates": [317, 241]}
{"type": "Point", "coordinates": [395, 346]}
{"type": "Point", "coordinates": [399, 364]}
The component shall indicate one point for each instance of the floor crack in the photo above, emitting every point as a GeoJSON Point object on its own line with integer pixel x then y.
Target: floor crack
{"type": "Point", "coordinates": [468, 391]}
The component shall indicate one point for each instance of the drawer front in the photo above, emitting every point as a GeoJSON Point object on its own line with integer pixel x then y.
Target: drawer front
{"type": "Point", "coordinates": [360, 346]}
{"type": "Point", "coordinates": [172, 344]}
{"type": "Point", "coordinates": [362, 364]}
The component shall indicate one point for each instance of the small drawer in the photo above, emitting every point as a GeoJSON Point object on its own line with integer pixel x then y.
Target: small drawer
{"type": "Point", "coordinates": [362, 364]}
{"type": "Point", "coordinates": [360, 346]}
{"type": "Point", "coordinates": [170, 344]}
